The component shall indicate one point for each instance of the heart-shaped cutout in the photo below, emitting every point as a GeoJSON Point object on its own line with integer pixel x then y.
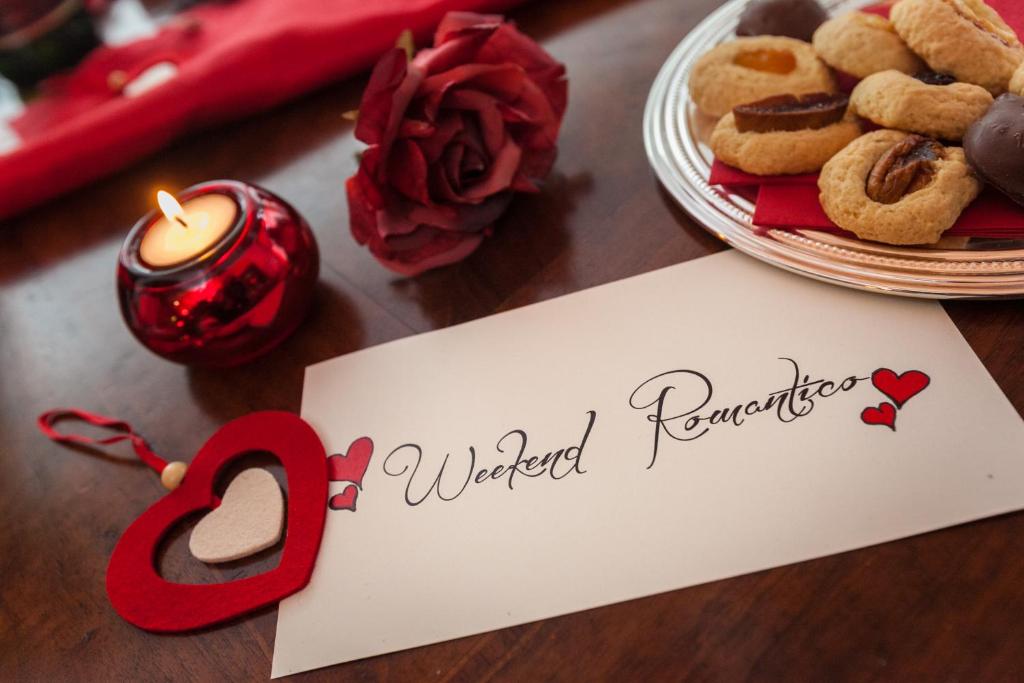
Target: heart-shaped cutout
{"type": "Point", "coordinates": [900, 388]}
{"type": "Point", "coordinates": [884, 414]}
{"type": "Point", "coordinates": [248, 519]}
{"type": "Point", "coordinates": [141, 596]}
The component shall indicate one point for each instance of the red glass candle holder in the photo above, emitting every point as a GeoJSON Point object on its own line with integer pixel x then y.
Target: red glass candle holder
{"type": "Point", "coordinates": [239, 299]}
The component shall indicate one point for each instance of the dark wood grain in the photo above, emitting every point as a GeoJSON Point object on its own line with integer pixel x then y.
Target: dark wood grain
{"type": "Point", "coordinates": [943, 606]}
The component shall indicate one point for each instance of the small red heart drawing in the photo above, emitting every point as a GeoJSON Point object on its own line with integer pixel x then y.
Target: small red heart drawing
{"type": "Point", "coordinates": [900, 388]}
{"type": "Point", "coordinates": [349, 467]}
{"type": "Point", "coordinates": [142, 597]}
{"type": "Point", "coordinates": [884, 414]}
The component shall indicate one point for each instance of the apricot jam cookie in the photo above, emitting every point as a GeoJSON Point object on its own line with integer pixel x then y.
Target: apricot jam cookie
{"type": "Point", "coordinates": [930, 104]}
{"type": "Point", "coordinates": [784, 134]}
{"type": "Point", "coordinates": [862, 44]}
{"type": "Point", "coordinates": [965, 38]}
{"type": "Point", "coordinates": [751, 69]}
{"type": "Point", "coordinates": [896, 188]}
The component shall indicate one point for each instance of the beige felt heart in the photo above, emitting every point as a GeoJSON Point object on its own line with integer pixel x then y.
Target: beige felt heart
{"type": "Point", "coordinates": [248, 519]}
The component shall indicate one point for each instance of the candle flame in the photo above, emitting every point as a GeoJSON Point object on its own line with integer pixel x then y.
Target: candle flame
{"type": "Point", "coordinates": [171, 208]}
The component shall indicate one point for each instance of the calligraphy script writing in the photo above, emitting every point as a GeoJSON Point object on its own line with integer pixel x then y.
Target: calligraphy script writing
{"type": "Point", "coordinates": [456, 472]}
{"type": "Point", "coordinates": [679, 401]}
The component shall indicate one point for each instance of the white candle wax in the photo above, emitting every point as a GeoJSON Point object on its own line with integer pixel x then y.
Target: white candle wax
{"type": "Point", "coordinates": [187, 231]}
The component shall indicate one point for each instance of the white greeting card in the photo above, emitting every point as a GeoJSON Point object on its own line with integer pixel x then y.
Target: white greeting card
{"type": "Point", "coordinates": [706, 420]}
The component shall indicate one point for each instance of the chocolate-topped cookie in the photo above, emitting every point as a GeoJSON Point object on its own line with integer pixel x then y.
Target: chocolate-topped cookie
{"type": "Point", "coordinates": [791, 18]}
{"type": "Point", "coordinates": [934, 78]}
{"type": "Point", "coordinates": [994, 146]}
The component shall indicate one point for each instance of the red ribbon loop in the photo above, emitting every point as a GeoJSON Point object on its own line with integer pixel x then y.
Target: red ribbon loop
{"type": "Point", "coordinates": [48, 419]}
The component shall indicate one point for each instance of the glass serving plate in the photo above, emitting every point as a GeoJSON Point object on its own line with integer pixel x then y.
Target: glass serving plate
{"type": "Point", "coordinates": [675, 137]}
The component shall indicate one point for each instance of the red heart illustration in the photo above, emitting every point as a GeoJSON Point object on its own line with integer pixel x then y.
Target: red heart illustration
{"type": "Point", "coordinates": [900, 388]}
{"type": "Point", "coordinates": [349, 467]}
{"type": "Point", "coordinates": [884, 414]}
{"type": "Point", "coordinates": [142, 597]}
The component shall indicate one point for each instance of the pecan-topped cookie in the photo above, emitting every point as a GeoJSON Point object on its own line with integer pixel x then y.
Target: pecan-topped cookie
{"type": "Point", "coordinates": [926, 103]}
{"type": "Point", "coordinates": [897, 188]}
{"type": "Point", "coordinates": [785, 134]}
{"type": "Point", "coordinates": [751, 69]}
{"type": "Point", "coordinates": [965, 38]}
{"type": "Point", "coordinates": [861, 44]}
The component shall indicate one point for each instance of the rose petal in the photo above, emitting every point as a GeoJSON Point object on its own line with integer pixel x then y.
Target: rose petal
{"type": "Point", "coordinates": [407, 170]}
{"type": "Point", "coordinates": [492, 124]}
{"type": "Point", "coordinates": [440, 186]}
{"type": "Point", "coordinates": [470, 135]}
{"type": "Point", "coordinates": [463, 217]}
{"type": "Point", "coordinates": [451, 163]}
{"type": "Point", "coordinates": [448, 126]}
{"type": "Point", "coordinates": [503, 81]}
{"type": "Point", "coordinates": [472, 166]}
{"type": "Point", "coordinates": [522, 183]}
{"type": "Point", "coordinates": [507, 44]}
{"type": "Point", "coordinates": [362, 214]}
{"type": "Point", "coordinates": [455, 22]}
{"type": "Point", "coordinates": [533, 102]}
{"type": "Point", "coordinates": [392, 219]}
{"type": "Point", "coordinates": [443, 249]}
{"type": "Point", "coordinates": [411, 128]}
{"type": "Point", "coordinates": [402, 217]}
{"type": "Point", "coordinates": [537, 161]}
{"type": "Point", "coordinates": [499, 175]}
{"type": "Point", "coordinates": [369, 170]}
{"type": "Point", "coordinates": [554, 86]}
{"type": "Point", "coordinates": [387, 96]}
{"type": "Point", "coordinates": [461, 49]}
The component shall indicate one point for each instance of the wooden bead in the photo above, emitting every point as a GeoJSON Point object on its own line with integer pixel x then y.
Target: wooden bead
{"type": "Point", "coordinates": [172, 474]}
{"type": "Point", "coordinates": [117, 79]}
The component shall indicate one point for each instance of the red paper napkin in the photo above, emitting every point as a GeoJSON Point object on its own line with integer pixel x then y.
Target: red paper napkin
{"type": "Point", "coordinates": [797, 206]}
{"type": "Point", "coordinates": [233, 59]}
{"type": "Point", "coordinates": [791, 202]}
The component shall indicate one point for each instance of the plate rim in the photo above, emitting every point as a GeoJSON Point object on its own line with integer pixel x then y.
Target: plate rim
{"type": "Point", "coordinates": [671, 161]}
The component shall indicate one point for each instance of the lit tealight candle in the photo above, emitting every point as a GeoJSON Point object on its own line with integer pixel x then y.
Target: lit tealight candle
{"type": "Point", "coordinates": [218, 279]}
{"type": "Point", "coordinates": [188, 230]}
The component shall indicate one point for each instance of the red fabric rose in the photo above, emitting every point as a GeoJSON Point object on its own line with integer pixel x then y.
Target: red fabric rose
{"type": "Point", "coordinates": [452, 134]}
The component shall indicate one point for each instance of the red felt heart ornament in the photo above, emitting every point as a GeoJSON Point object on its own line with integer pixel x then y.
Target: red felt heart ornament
{"type": "Point", "coordinates": [900, 388]}
{"type": "Point", "coordinates": [142, 597]}
{"type": "Point", "coordinates": [884, 414]}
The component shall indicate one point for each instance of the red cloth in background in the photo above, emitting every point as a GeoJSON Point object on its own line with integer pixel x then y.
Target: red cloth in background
{"type": "Point", "coordinates": [233, 59]}
{"type": "Point", "coordinates": [791, 202]}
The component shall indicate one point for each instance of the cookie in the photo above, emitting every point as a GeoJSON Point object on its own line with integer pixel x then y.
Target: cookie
{"type": "Point", "coordinates": [1017, 81]}
{"type": "Point", "coordinates": [793, 18]}
{"type": "Point", "coordinates": [861, 44]}
{"type": "Point", "coordinates": [896, 188]}
{"type": "Point", "coordinates": [784, 135]}
{"type": "Point", "coordinates": [965, 38]}
{"type": "Point", "coordinates": [895, 100]}
{"type": "Point", "coordinates": [751, 69]}
{"type": "Point", "coordinates": [993, 146]}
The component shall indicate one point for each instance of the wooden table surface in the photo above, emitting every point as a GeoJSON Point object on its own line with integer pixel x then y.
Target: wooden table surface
{"type": "Point", "coordinates": [943, 606]}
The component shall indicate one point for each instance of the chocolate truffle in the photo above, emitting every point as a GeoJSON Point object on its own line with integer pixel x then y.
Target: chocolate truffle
{"type": "Point", "coordinates": [793, 18]}
{"type": "Point", "coordinates": [994, 146]}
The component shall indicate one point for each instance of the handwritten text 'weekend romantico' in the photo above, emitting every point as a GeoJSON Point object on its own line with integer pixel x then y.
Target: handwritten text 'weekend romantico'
{"type": "Point", "coordinates": [678, 402]}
